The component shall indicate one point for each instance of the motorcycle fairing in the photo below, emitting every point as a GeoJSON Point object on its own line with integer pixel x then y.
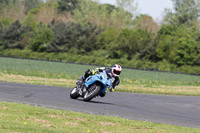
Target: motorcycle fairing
{"type": "Point", "coordinates": [100, 78]}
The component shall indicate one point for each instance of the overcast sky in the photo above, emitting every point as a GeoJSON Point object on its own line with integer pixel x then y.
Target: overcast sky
{"type": "Point", "coordinates": [154, 8]}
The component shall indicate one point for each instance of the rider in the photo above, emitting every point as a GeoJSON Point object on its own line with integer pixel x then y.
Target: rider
{"type": "Point", "coordinates": [112, 73]}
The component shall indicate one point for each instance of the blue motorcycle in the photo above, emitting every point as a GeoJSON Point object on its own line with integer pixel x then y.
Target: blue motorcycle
{"type": "Point", "coordinates": [92, 87]}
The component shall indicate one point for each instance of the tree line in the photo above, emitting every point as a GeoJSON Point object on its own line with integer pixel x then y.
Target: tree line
{"type": "Point", "coordinates": [87, 28]}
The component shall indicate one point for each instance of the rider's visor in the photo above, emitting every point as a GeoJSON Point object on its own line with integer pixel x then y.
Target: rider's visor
{"type": "Point", "coordinates": [117, 72]}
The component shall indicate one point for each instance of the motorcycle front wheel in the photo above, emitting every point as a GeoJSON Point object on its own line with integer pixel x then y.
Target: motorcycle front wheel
{"type": "Point", "coordinates": [74, 94]}
{"type": "Point", "coordinates": [92, 92]}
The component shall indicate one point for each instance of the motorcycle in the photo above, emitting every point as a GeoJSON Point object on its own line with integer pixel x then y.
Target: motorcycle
{"type": "Point", "coordinates": [92, 87]}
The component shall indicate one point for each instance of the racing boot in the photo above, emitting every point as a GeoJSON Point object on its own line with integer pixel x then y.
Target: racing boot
{"type": "Point", "coordinates": [102, 94]}
{"type": "Point", "coordinates": [83, 90]}
{"type": "Point", "coordinates": [79, 84]}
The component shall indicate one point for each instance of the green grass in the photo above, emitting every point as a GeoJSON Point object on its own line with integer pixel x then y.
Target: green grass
{"type": "Point", "coordinates": [25, 118]}
{"type": "Point", "coordinates": [73, 71]}
{"type": "Point", "coordinates": [41, 68]}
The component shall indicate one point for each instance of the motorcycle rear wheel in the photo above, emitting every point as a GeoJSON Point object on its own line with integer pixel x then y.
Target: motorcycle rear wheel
{"type": "Point", "coordinates": [92, 92]}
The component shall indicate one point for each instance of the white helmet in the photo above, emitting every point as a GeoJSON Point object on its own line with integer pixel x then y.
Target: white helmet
{"type": "Point", "coordinates": [116, 70]}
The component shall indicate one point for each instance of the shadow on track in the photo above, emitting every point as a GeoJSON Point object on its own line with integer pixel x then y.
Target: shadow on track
{"type": "Point", "coordinates": [96, 102]}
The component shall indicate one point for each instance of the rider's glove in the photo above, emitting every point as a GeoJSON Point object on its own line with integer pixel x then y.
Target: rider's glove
{"type": "Point", "coordinates": [93, 72]}
{"type": "Point", "coordinates": [111, 90]}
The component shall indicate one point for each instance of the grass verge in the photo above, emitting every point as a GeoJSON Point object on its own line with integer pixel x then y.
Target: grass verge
{"type": "Point", "coordinates": [73, 71]}
{"type": "Point", "coordinates": [25, 118]}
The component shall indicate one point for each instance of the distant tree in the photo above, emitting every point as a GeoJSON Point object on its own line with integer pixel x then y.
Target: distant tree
{"type": "Point", "coordinates": [51, 0]}
{"type": "Point", "coordinates": [146, 23]}
{"type": "Point", "coordinates": [188, 47]}
{"type": "Point", "coordinates": [102, 14]}
{"type": "Point", "coordinates": [166, 48]}
{"type": "Point", "coordinates": [4, 3]}
{"type": "Point", "coordinates": [127, 10]}
{"type": "Point", "coordinates": [134, 42]}
{"type": "Point", "coordinates": [67, 5]}
{"type": "Point", "coordinates": [73, 35]}
{"type": "Point", "coordinates": [11, 36]}
{"type": "Point", "coordinates": [128, 5]}
{"type": "Point", "coordinates": [180, 46]}
{"type": "Point", "coordinates": [185, 12]}
{"type": "Point", "coordinates": [30, 4]}
{"type": "Point", "coordinates": [109, 8]}
{"type": "Point", "coordinates": [167, 29]}
{"type": "Point", "coordinates": [188, 52]}
{"type": "Point", "coordinates": [41, 38]}
{"type": "Point", "coordinates": [85, 10]}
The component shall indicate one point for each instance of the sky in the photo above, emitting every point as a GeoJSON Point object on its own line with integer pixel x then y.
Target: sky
{"type": "Point", "coordinates": [154, 8]}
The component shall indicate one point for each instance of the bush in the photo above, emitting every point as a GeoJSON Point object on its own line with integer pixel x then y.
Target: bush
{"type": "Point", "coordinates": [67, 5]}
{"type": "Point", "coordinates": [189, 69]}
{"type": "Point", "coordinates": [132, 42]}
{"type": "Point", "coordinates": [4, 22]}
{"type": "Point", "coordinates": [31, 4]}
{"type": "Point", "coordinates": [11, 36]}
{"type": "Point", "coordinates": [41, 38]}
{"type": "Point", "coordinates": [74, 35]}
{"type": "Point", "coordinates": [188, 52]}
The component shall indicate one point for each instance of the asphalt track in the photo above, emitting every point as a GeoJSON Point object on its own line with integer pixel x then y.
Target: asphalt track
{"type": "Point", "coordinates": [174, 110]}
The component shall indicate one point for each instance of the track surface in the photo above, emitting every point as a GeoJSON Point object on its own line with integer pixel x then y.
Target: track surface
{"type": "Point", "coordinates": [175, 110]}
